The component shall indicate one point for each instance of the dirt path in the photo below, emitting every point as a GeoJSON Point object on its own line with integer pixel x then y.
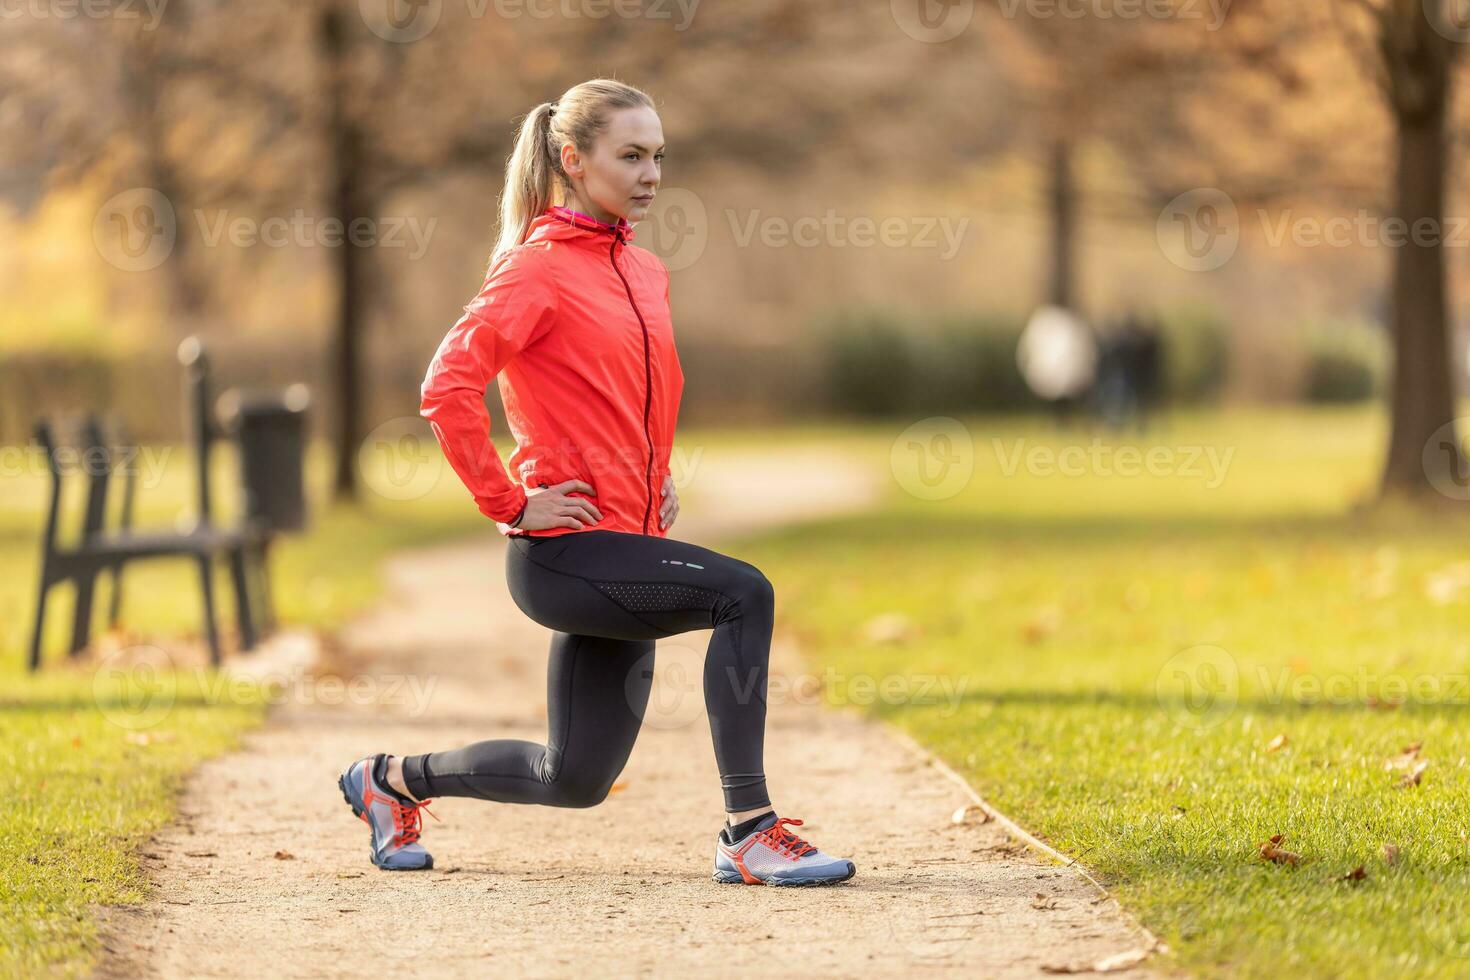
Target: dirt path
{"type": "Point", "coordinates": [621, 888]}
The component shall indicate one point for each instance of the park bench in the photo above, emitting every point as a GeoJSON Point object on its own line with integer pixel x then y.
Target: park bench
{"type": "Point", "coordinates": [273, 503]}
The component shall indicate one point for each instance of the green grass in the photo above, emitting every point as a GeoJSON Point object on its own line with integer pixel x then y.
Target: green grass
{"type": "Point", "coordinates": [1120, 651]}
{"type": "Point", "coordinates": [1055, 607]}
{"type": "Point", "coordinates": [86, 772]}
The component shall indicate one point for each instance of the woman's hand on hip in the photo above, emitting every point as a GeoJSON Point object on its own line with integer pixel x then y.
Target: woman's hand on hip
{"type": "Point", "coordinates": [551, 507]}
{"type": "Point", "coordinates": [668, 511]}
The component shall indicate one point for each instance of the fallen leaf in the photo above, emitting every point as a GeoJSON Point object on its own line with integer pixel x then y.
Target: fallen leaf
{"type": "Point", "coordinates": [1046, 622]}
{"type": "Point", "coordinates": [285, 856]}
{"type": "Point", "coordinates": [1276, 744]}
{"type": "Point", "coordinates": [149, 738]}
{"type": "Point", "coordinates": [1384, 704]}
{"type": "Point", "coordinates": [892, 627]}
{"type": "Point", "coordinates": [201, 854]}
{"type": "Point", "coordinates": [1043, 902]}
{"type": "Point", "coordinates": [1447, 584]}
{"type": "Point", "coordinates": [1390, 854]}
{"type": "Point", "coordinates": [1412, 777]}
{"type": "Point", "coordinates": [1108, 964]}
{"type": "Point", "coordinates": [1405, 758]}
{"type": "Point", "coordinates": [1272, 851]}
{"type": "Point", "coordinates": [1357, 874]}
{"type": "Point", "coordinates": [1122, 961]}
{"type": "Point", "coordinates": [971, 813]}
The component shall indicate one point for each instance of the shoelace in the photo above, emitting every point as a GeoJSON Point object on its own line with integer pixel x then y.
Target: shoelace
{"type": "Point", "coordinates": [406, 825]}
{"type": "Point", "coordinates": [784, 840]}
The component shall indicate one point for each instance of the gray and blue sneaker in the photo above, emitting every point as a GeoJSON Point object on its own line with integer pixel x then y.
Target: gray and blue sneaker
{"type": "Point", "coordinates": [394, 823]}
{"type": "Point", "coordinates": [772, 855]}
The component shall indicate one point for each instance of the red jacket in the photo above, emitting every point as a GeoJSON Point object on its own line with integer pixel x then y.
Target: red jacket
{"type": "Point", "coordinates": [576, 326]}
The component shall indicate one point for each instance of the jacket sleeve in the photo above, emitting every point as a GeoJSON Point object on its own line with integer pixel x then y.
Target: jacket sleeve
{"type": "Point", "coordinates": [515, 306]}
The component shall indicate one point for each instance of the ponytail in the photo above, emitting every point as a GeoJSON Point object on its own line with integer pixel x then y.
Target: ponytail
{"type": "Point", "coordinates": [528, 183]}
{"type": "Point", "coordinates": [533, 173]}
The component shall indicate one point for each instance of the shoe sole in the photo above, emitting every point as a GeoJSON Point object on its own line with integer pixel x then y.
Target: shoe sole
{"type": "Point", "coordinates": [359, 814]}
{"type": "Point", "coordinates": [735, 878]}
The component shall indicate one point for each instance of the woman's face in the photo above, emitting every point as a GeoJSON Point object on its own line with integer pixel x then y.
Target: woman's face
{"type": "Point", "coordinates": [619, 177]}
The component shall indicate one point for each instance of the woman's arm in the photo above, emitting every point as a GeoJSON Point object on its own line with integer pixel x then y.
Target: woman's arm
{"type": "Point", "coordinates": [515, 306]}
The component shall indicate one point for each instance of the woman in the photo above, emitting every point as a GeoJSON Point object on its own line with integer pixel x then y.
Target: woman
{"type": "Point", "coordinates": [575, 325]}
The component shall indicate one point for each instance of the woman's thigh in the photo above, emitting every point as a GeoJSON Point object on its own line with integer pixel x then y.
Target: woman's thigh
{"type": "Point", "coordinates": [627, 586]}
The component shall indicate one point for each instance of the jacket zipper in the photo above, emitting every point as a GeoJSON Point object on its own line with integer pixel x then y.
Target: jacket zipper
{"type": "Point", "coordinates": [647, 380]}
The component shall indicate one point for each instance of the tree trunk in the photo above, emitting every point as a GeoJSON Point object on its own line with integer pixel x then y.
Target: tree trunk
{"type": "Point", "coordinates": [1423, 397]}
{"type": "Point", "coordinates": [186, 300]}
{"type": "Point", "coordinates": [146, 82]}
{"type": "Point", "coordinates": [344, 195]}
{"type": "Point", "coordinates": [1062, 206]}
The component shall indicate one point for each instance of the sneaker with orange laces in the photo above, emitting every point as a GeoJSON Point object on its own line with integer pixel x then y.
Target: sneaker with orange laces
{"type": "Point", "coordinates": [772, 855]}
{"type": "Point", "coordinates": [394, 821]}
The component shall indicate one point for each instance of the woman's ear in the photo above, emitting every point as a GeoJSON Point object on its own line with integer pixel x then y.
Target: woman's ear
{"type": "Point", "coordinates": [571, 161]}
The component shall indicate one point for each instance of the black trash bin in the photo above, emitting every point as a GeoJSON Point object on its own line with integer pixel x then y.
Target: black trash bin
{"type": "Point", "coordinates": [270, 430]}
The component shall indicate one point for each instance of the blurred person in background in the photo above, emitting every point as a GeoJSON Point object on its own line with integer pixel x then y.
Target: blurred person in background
{"type": "Point", "coordinates": [1058, 358]}
{"type": "Point", "coordinates": [1128, 372]}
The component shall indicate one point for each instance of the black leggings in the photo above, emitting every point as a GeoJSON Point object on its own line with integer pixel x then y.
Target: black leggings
{"type": "Point", "coordinates": [608, 595]}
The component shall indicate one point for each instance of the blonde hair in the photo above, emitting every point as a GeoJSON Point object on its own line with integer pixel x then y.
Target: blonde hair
{"type": "Point", "coordinates": [535, 164]}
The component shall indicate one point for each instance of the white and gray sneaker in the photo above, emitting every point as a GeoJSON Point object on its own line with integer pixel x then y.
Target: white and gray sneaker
{"type": "Point", "coordinates": [395, 824]}
{"type": "Point", "coordinates": [772, 855]}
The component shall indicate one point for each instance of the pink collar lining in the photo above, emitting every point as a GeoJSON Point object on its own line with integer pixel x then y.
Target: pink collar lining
{"type": "Point", "coordinates": [581, 220]}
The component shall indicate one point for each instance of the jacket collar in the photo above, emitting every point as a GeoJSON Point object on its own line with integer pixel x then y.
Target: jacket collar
{"type": "Point", "coordinates": [558, 223]}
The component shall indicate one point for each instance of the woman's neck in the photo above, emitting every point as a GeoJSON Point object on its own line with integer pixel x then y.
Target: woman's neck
{"type": "Point", "coordinates": [573, 203]}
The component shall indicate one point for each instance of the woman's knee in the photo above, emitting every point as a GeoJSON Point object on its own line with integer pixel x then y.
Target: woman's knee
{"type": "Point", "coordinates": [752, 590]}
{"type": "Point", "coordinates": [581, 793]}
{"type": "Point", "coordinates": [580, 786]}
